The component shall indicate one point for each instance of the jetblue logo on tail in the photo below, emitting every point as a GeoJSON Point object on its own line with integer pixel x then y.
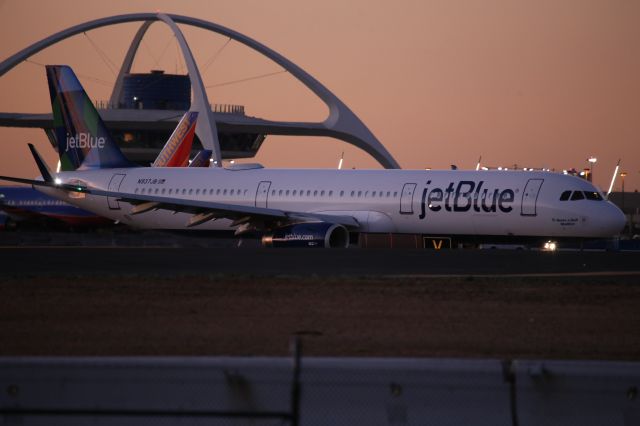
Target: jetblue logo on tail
{"type": "Point", "coordinates": [84, 141]}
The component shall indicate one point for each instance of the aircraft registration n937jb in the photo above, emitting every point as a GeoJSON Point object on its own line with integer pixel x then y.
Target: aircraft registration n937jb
{"type": "Point", "coordinates": [301, 207]}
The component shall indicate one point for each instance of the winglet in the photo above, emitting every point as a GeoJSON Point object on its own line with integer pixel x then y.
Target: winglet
{"type": "Point", "coordinates": [42, 166]}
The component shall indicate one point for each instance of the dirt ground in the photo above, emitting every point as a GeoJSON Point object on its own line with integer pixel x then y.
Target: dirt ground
{"type": "Point", "coordinates": [579, 317]}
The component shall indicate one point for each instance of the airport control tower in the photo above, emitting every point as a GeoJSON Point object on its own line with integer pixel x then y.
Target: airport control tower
{"type": "Point", "coordinates": [164, 98]}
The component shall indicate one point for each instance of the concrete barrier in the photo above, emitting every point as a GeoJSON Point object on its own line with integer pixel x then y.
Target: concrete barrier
{"type": "Point", "coordinates": [580, 393]}
{"type": "Point", "coordinates": [257, 391]}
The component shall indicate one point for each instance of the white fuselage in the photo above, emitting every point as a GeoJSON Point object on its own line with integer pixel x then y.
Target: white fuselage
{"type": "Point", "coordinates": [503, 203]}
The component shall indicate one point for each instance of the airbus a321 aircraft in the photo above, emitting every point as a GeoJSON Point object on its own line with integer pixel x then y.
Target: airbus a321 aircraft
{"type": "Point", "coordinates": [312, 208]}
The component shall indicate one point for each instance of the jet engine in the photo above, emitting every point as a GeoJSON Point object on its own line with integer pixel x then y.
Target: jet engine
{"type": "Point", "coordinates": [308, 234]}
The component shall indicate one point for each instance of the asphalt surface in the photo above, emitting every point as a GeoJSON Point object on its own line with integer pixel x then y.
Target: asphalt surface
{"type": "Point", "coordinates": [222, 300]}
{"type": "Point", "coordinates": [39, 261]}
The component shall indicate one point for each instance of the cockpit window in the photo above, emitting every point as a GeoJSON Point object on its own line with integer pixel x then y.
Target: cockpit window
{"type": "Point", "coordinates": [565, 195]}
{"type": "Point", "coordinates": [593, 195]}
{"type": "Point", "coordinates": [577, 195]}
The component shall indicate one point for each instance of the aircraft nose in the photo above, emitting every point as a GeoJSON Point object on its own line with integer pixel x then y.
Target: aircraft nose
{"type": "Point", "coordinates": [615, 220]}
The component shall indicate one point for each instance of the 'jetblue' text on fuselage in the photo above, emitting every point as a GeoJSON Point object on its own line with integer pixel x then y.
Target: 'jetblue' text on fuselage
{"type": "Point", "coordinates": [465, 196]}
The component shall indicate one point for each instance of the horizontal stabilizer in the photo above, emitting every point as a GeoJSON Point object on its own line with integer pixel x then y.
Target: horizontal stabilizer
{"type": "Point", "coordinates": [63, 186]}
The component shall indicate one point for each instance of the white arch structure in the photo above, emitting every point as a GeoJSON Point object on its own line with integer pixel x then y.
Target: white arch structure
{"type": "Point", "coordinates": [341, 123]}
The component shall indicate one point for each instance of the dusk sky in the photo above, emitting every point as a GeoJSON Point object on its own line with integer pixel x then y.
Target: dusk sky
{"type": "Point", "coordinates": [538, 84]}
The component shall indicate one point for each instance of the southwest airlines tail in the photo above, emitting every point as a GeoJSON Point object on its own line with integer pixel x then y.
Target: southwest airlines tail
{"type": "Point", "coordinates": [83, 140]}
{"type": "Point", "coordinates": [177, 149]}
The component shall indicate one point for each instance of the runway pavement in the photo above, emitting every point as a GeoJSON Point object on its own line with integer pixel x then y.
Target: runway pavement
{"type": "Point", "coordinates": [37, 261]}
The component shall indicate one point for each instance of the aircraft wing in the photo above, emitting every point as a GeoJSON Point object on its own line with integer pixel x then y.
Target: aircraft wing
{"type": "Point", "coordinates": [202, 211]}
{"type": "Point", "coordinates": [207, 210]}
{"type": "Point", "coordinates": [249, 217]}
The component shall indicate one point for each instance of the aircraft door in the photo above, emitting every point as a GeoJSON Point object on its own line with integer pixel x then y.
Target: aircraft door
{"type": "Point", "coordinates": [262, 194]}
{"type": "Point", "coordinates": [114, 185]}
{"type": "Point", "coordinates": [530, 197]}
{"type": "Point", "coordinates": [406, 198]}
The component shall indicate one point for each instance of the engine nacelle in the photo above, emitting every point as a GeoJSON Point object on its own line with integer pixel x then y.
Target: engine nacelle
{"type": "Point", "coordinates": [312, 234]}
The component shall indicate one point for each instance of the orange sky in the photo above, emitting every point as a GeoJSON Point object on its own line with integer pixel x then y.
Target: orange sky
{"type": "Point", "coordinates": [538, 84]}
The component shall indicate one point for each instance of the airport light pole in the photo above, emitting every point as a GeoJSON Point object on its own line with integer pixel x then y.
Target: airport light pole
{"type": "Point", "coordinates": [592, 160]}
{"type": "Point", "coordinates": [623, 175]}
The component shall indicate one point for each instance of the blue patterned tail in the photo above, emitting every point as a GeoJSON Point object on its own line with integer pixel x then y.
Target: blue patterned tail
{"type": "Point", "coordinates": [83, 139]}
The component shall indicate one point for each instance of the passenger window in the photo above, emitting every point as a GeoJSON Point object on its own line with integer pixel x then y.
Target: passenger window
{"type": "Point", "coordinates": [388, 193]}
{"type": "Point", "coordinates": [395, 194]}
{"type": "Point", "coordinates": [322, 193]}
{"type": "Point", "coordinates": [353, 193]}
{"type": "Point", "coordinates": [163, 191]}
{"type": "Point", "coordinates": [136, 191]}
{"type": "Point", "coordinates": [273, 192]}
{"type": "Point", "coordinates": [593, 195]}
{"type": "Point", "coordinates": [330, 193]}
{"type": "Point", "coordinates": [373, 194]}
{"type": "Point", "coordinates": [308, 192]}
{"type": "Point", "coordinates": [142, 191]}
{"type": "Point", "coordinates": [294, 192]}
{"type": "Point", "coordinates": [224, 192]}
{"type": "Point", "coordinates": [211, 191]}
{"type": "Point", "coordinates": [577, 195]}
{"type": "Point", "coordinates": [190, 191]}
{"type": "Point", "coordinates": [170, 190]}
{"type": "Point", "coordinates": [197, 191]}
{"type": "Point", "coordinates": [565, 195]}
{"type": "Point", "coordinates": [342, 193]}
{"type": "Point", "coordinates": [287, 193]}
{"type": "Point", "coordinates": [359, 194]}
{"type": "Point", "coordinates": [315, 193]}
{"type": "Point", "coordinates": [231, 192]}
{"type": "Point", "coordinates": [280, 193]}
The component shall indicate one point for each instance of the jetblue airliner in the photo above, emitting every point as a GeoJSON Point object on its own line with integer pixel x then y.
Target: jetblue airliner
{"type": "Point", "coordinates": [312, 208]}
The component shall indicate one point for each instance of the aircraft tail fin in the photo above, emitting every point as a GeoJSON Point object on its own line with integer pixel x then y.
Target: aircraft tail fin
{"type": "Point", "coordinates": [42, 166]}
{"type": "Point", "coordinates": [175, 152]}
{"type": "Point", "coordinates": [203, 159]}
{"type": "Point", "coordinates": [83, 139]}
